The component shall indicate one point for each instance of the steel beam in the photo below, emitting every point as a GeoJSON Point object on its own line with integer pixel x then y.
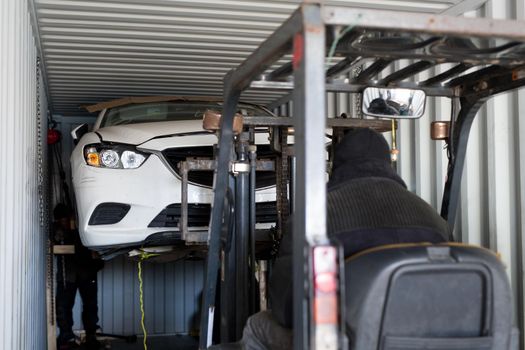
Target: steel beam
{"type": "Point", "coordinates": [281, 73]}
{"type": "Point", "coordinates": [376, 124]}
{"type": "Point", "coordinates": [266, 54]}
{"type": "Point", "coordinates": [406, 72]}
{"type": "Point", "coordinates": [344, 86]}
{"type": "Point", "coordinates": [342, 67]}
{"type": "Point", "coordinates": [310, 211]}
{"type": "Point", "coordinates": [373, 70]}
{"type": "Point", "coordinates": [424, 23]}
{"type": "Point", "coordinates": [452, 72]}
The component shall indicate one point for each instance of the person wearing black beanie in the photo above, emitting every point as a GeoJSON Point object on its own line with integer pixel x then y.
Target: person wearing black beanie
{"type": "Point", "coordinates": [362, 153]}
{"type": "Point", "coordinates": [368, 205]}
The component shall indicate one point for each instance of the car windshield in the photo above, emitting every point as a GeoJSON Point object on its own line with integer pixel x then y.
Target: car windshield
{"type": "Point", "coordinates": [170, 111]}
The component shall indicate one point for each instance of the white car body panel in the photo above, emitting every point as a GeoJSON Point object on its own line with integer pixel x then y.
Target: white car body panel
{"type": "Point", "coordinates": [135, 134]}
{"type": "Point", "coordinates": [148, 189]}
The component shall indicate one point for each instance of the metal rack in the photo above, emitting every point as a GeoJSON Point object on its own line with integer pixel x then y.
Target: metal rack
{"type": "Point", "coordinates": [481, 68]}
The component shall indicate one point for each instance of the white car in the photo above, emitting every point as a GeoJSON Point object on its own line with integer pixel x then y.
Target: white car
{"type": "Point", "coordinates": [125, 176]}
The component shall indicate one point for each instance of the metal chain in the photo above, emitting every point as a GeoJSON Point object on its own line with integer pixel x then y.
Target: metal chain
{"type": "Point", "coordinates": [282, 173]}
{"type": "Point", "coordinates": [50, 283]}
{"type": "Point", "coordinates": [42, 191]}
{"type": "Point", "coordinates": [40, 152]}
{"type": "Point", "coordinates": [357, 97]}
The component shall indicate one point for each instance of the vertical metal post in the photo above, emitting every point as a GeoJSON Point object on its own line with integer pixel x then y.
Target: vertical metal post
{"type": "Point", "coordinates": [458, 149]}
{"type": "Point", "coordinates": [242, 235]}
{"type": "Point", "coordinates": [309, 123]}
{"type": "Point", "coordinates": [231, 99]}
{"type": "Point", "coordinates": [293, 182]}
{"type": "Point", "coordinates": [228, 292]}
{"type": "Point", "coordinates": [183, 222]}
{"type": "Point", "coordinates": [252, 149]}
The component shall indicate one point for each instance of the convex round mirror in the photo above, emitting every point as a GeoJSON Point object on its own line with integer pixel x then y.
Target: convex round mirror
{"type": "Point", "coordinates": [393, 103]}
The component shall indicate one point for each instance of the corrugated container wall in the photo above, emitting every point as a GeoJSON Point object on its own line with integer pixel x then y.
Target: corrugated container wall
{"type": "Point", "coordinates": [22, 185]}
{"type": "Point", "coordinates": [492, 203]}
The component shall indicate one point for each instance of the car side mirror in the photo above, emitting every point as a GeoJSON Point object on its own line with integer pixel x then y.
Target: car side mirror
{"type": "Point", "coordinates": [78, 132]}
{"type": "Point", "coordinates": [394, 103]}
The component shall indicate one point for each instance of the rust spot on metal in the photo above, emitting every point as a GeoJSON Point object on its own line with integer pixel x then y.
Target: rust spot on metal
{"type": "Point", "coordinates": [298, 50]}
{"type": "Point", "coordinates": [314, 29]}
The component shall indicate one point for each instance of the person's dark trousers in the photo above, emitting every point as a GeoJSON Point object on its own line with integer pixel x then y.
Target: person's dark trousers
{"type": "Point", "coordinates": [88, 292]}
{"type": "Point", "coordinates": [65, 300]}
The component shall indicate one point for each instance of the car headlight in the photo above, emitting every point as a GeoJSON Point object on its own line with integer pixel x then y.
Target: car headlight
{"type": "Point", "coordinates": [113, 156]}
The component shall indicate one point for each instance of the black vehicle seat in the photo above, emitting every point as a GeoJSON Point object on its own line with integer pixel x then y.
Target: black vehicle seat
{"type": "Point", "coordinates": [421, 296]}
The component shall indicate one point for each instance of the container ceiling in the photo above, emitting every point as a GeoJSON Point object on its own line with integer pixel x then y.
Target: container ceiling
{"type": "Point", "coordinates": [97, 50]}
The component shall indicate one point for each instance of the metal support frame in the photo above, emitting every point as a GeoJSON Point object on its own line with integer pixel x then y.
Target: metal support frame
{"type": "Point", "coordinates": [374, 69]}
{"type": "Point", "coordinates": [406, 72]}
{"type": "Point", "coordinates": [424, 23]}
{"type": "Point", "coordinates": [304, 31]}
{"type": "Point", "coordinates": [252, 155]}
{"type": "Point", "coordinates": [310, 202]}
{"type": "Point", "coordinates": [226, 310]}
{"type": "Point", "coordinates": [376, 124]}
{"type": "Point", "coordinates": [202, 165]}
{"type": "Point", "coordinates": [458, 148]}
{"type": "Point", "coordinates": [457, 69]}
{"type": "Point", "coordinates": [234, 82]}
{"type": "Point", "coordinates": [476, 89]}
{"type": "Point", "coordinates": [242, 242]}
{"type": "Point", "coordinates": [308, 49]}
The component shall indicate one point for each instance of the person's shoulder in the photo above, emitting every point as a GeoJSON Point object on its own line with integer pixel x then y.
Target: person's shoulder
{"type": "Point", "coordinates": [362, 182]}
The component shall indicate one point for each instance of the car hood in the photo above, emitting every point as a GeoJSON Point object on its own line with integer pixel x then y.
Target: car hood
{"type": "Point", "coordinates": [136, 134]}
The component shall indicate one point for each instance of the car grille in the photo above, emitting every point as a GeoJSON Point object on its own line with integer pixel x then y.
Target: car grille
{"type": "Point", "coordinates": [199, 215]}
{"type": "Point", "coordinates": [205, 178]}
{"type": "Point", "coordinates": [108, 213]}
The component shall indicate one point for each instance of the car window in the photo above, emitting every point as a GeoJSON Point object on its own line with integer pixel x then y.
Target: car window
{"type": "Point", "coordinates": [169, 111]}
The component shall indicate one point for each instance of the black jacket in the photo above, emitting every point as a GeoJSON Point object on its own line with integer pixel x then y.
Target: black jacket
{"type": "Point", "coordinates": [368, 205]}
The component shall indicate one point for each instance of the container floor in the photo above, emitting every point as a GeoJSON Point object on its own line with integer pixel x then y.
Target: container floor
{"type": "Point", "coordinates": [175, 342]}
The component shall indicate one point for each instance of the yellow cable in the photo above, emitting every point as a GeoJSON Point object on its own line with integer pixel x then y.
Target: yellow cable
{"type": "Point", "coordinates": [141, 296]}
{"type": "Point", "coordinates": [143, 256]}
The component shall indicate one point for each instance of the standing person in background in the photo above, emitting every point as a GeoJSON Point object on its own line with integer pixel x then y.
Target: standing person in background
{"type": "Point", "coordinates": [76, 271]}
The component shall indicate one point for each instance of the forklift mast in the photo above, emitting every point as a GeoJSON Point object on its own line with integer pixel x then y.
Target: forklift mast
{"type": "Point", "coordinates": [321, 44]}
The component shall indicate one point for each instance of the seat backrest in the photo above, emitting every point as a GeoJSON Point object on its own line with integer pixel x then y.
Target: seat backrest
{"type": "Point", "coordinates": [437, 297]}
